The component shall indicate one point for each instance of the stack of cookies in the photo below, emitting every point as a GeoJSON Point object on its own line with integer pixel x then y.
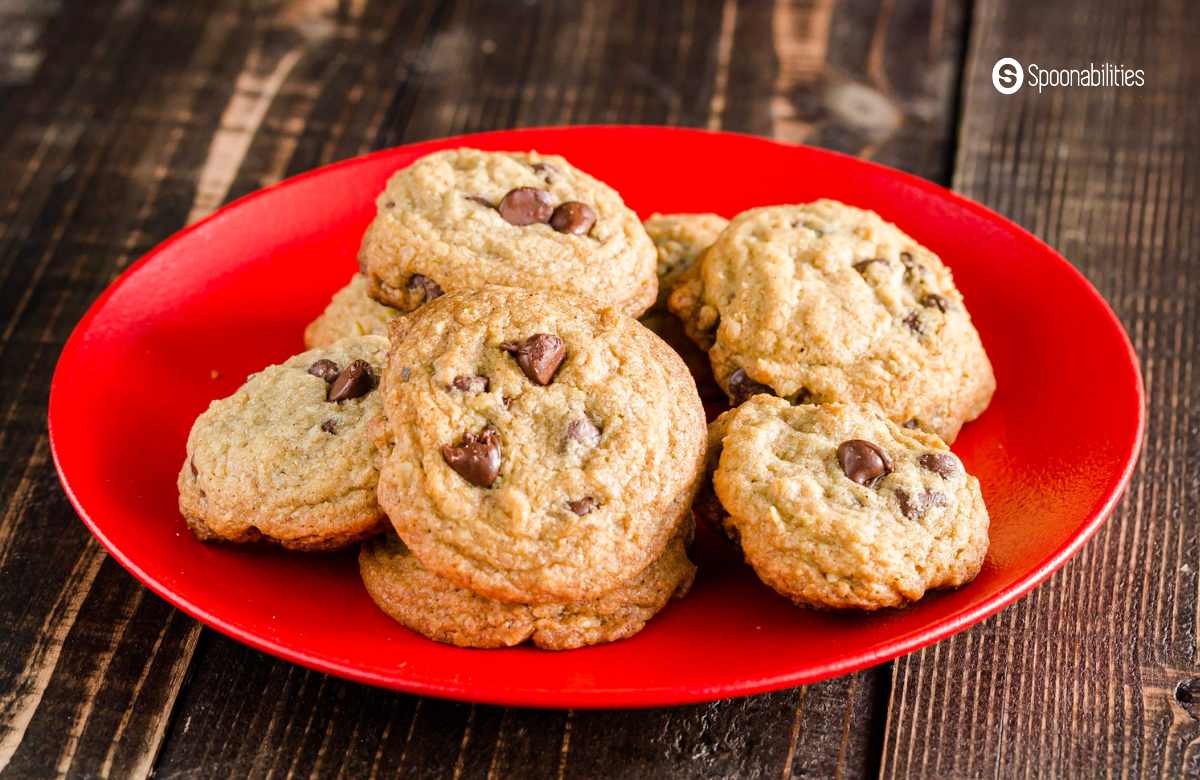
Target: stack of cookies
{"type": "Point", "coordinates": [518, 457]}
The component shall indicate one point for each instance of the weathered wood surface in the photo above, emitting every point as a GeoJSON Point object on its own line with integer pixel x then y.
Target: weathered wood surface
{"type": "Point", "coordinates": [122, 120]}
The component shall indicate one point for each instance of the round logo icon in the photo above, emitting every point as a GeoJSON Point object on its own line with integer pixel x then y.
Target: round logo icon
{"type": "Point", "coordinates": [1007, 75]}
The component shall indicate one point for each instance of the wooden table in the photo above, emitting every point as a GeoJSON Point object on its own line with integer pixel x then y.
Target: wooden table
{"type": "Point", "coordinates": [123, 120]}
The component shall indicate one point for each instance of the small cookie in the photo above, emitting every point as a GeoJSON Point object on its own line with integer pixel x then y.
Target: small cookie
{"type": "Point", "coordinates": [351, 312]}
{"type": "Point", "coordinates": [433, 606]}
{"type": "Point", "coordinates": [461, 219]}
{"type": "Point", "coordinates": [679, 239]}
{"type": "Point", "coordinates": [836, 506]}
{"type": "Point", "coordinates": [290, 457]}
{"type": "Point", "coordinates": [540, 450]}
{"type": "Point", "coordinates": [824, 302]}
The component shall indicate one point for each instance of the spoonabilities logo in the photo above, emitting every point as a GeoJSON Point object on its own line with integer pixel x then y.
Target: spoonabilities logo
{"type": "Point", "coordinates": [1007, 75]}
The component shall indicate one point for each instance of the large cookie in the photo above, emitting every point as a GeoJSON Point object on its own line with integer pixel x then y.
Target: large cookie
{"type": "Point", "coordinates": [835, 506]}
{"type": "Point", "coordinates": [679, 239]}
{"type": "Point", "coordinates": [440, 610]}
{"type": "Point", "coordinates": [462, 219]}
{"type": "Point", "coordinates": [290, 457]}
{"type": "Point", "coordinates": [541, 450]}
{"type": "Point", "coordinates": [824, 302]}
{"type": "Point", "coordinates": [351, 312]}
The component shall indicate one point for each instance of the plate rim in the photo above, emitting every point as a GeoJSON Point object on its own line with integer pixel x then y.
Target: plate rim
{"type": "Point", "coordinates": [531, 695]}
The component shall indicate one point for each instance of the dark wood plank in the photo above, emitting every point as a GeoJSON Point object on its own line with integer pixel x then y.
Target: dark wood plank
{"type": "Point", "coordinates": [1084, 673]}
{"type": "Point", "coordinates": [125, 120]}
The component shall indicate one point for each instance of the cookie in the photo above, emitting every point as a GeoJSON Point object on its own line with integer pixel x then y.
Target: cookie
{"type": "Point", "coordinates": [824, 302]}
{"type": "Point", "coordinates": [433, 606]}
{"type": "Point", "coordinates": [679, 240]}
{"type": "Point", "coordinates": [835, 506]}
{"type": "Point", "coordinates": [461, 219]}
{"type": "Point", "coordinates": [290, 457]}
{"type": "Point", "coordinates": [351, 312]}
{"type": "Point", "coordinates": [539, 450]}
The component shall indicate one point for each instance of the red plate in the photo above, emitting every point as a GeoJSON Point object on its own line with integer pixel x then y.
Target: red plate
{"type": "Point", "coordinates": [231, 294]}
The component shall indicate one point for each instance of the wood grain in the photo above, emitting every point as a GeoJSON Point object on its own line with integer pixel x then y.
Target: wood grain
{"type": "Point", "coordinates": [125, 119]}
{"type": "Point", "coordinates": [1082, 675]}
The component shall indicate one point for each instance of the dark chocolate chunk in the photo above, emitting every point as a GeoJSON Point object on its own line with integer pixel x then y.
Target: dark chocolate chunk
{"type": "Point", "coordinates": [863, 462]}
{"type": "Point", "coordinates": [914, 506]}
{"type": "Point", "coordinates": [913, 322]}
{"type": "Point", "coordinates": [325, 369]}
{"type": "Point", "coordinates": [423, 284]}
{"type": "Point", "coordinates": [943, 464]}
{"type": "Point", "coordinates": [573, 217]}
{"type": "Point", "coordinates": [329, 426]}
{"type": "Point", "coordinates": [583, 506]}
{"type": "Point", "coordinates": [862, 265]}
{"type": "Point", "coordinates": [354, 381]}
{"type": "Point", "coordinates": [584, 431]}
{"type": "Point", "coordinates": [546, 170]}
{"type": "Point", "coordinates": [526, 206]}
{"type": "Point", "coordinates": [539, 356]}
{"type": "Point", "coordinates": [935, 301]}
{"type": "Point", "coordinates": [477, 459]}
{"type": "Point", "coordinates": [742, 387]}
{"type": "Point", "coordinates": [471, 384]}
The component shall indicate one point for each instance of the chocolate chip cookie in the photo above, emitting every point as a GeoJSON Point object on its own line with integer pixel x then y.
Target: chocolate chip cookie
{"type": "Point", "coordinates": [824, 302]}
{"type": "Point", "coordinates": [351, 312]}
{"type": "Point", "coordinates": [433, 606]}
{"type": "Point", "coordinates": [461, 219]}
{"type": "Point", "coordinates": [836, 506]}
{"type": "Point", "coordinates": [290, 457]}
{"type": "Point", "coordinates": [679, 240]}
{"type": "Point", "coordinates": [540, 450]}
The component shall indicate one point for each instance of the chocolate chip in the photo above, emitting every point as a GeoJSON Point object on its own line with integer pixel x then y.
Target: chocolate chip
{"type": "Point", "coordinates": [583, 506]}
{"type": "Point", "coordinates": [391, 204]}
{"type": "Point", "coordinates": [477, 459]}
{"type": "Point", "coordinates": [471, 384]}
{"type": "Point", "coordinates": [912, 268]}
{"type": "Point", "coordinates": [862, 265]}
{"type": "Point", "coordinates": [584, 431]}
{"type": "Point", "coordinates": [482, 201]}
{"type": "Point", "coordinates": [525, 206]}
{"type": "Point", "coordinates": [935, 301]}
{"type": "Point", "coordinates": [539, 356]}
{"type": "Point", "coordinates": [943, 464]}
{"type": "Point", "coordinates": [863, 462]}
{"type": "Point", "coordinates": [329, 426]}
{"type": "Point", "coordinates": [913, 321]}
{"type": "Point", "coordinates": [913, 424]}
{"type": "Point", "coordinates": [354, 381]}
{"type": "Point", "coordinates": [573, 217]}
{"type": "Point", "coordinates": [192, 464]}
{"type": "Point", "coordinates": [914, 506]}
{"type": "Point", "coordinates": [325, 369]}
{"type": "Point", "coordinates": [545, 170]}
{"type": "Point", "coordinates": [742, 387]}
{"type": "Point", "coordinates": [423, 284]}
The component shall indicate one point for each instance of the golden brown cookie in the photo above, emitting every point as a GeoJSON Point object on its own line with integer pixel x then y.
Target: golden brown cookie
{"type": "Point", "coordinates": [351, 312]}
{"type": "Point", "coordinates": [836, 506]}
{"type": "Point", "coordinates": [289, 458]}
{"type": "Point", "coordinates": [679, 240]}
{"type": "Point", "coordinates": [461, 219]}
{"type": "Point", "coordinates": [824, 302]}
{"type": "Point", "coordinates": [433, 606]}
{"type": "Point", "coordinates": [541, 450]}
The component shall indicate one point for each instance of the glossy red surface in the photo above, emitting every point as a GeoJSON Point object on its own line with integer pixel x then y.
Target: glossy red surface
{"type": "Point", "coordinates": [223, 298]}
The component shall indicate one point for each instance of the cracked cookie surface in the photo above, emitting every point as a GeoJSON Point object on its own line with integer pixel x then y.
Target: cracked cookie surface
{"type": "Point", "coordinates": [463, 218]}
{"type": "Point", "coordinates": [538, 450]}
{"type": "Point", "coordinates": [351, 312]}
{"type": "Point", "coordinates": [284, 460]}
{"type": "Point", "coordinates": [825, 302]}
{"type": "Point", "coordinates": [433, 606]}
{"type": "Point", "coordinates": [835, 506]}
